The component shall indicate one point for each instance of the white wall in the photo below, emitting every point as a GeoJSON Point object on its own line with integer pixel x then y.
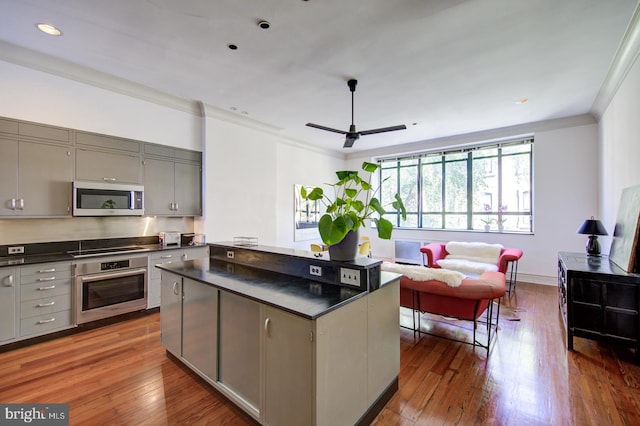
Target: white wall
{"type": "Point", "coordinates": [36, 96]}
{"type": "Point", "coordinates": [565, 194]}
{"type": "Point", "coordinates": [250, 175]}
{"type": "Point", "coordinates": [620, 146]}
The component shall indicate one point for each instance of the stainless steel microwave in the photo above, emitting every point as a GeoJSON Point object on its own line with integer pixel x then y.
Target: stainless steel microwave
{"type": "Point", "coordinates": [107, 199]}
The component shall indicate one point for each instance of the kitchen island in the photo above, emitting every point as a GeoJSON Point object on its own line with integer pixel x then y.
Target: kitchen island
{"type": "Point", "coordinates": [287, 349]}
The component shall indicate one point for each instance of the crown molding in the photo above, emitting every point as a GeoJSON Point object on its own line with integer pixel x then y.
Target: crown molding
{"type": "Point", "coordinates": [69, 70]}
{"type": "Point", "coordinates": [491, 135]}
{"type": "Point", "coordinates": [623, 61]}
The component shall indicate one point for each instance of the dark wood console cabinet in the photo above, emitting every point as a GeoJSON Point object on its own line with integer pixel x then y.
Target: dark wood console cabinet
{"type": "Point", "coordinates": [598, 300]}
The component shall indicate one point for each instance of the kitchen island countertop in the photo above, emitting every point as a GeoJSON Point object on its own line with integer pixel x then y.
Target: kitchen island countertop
{"type": "Point", "coordinates": [300, 296]}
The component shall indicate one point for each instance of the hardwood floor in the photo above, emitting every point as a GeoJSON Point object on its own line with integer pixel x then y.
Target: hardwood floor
{"type": "Point", "coordinates": [120, 375]}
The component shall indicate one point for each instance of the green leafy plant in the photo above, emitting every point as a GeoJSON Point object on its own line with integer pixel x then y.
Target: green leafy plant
{"type": "Point", "coordinates": [355, 200]}
{"type": "Point", "coordinates": [487, 221]}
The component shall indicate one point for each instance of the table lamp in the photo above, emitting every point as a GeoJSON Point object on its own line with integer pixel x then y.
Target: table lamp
{"type": "Point", "coordinates": [593, 228]}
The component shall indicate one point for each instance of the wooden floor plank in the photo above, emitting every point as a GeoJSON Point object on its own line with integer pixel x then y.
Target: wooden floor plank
{"type": "Point", "coordinates": [120, 374]}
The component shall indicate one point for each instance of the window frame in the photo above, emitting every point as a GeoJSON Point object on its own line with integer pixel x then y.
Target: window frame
{"type": "Point", "coordinates": [524, 203]}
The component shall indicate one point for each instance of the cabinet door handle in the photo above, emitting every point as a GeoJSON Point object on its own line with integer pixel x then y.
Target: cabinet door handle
{"type": "Point", "coordinates": [42, 305]}
{"type": "Point", "coordinates": [46, 279]}
{"type": "Point", "coordinates": [21, 204]}
{"type": "Point", "coordinates": [51, 287]}
{"type": "Point", "coordinates": [12, 204]}
{"type": "Point", "coordinates": [108, 179]}
{"type": "Point", "coordinates": [166, 256]}
{"type": "Point", "coordinates": [175, 288]}
{"type": "Point", "coordinates": [185, 257]}
{"type": "Point", "coordinates": [266, 326]}
{"type": "Point", "coordinates": [46, 321]}
{"type": "Point", "coordinates": [43, 271]}
{"type": "Point", "coordinates": [9, 281]}
{"type": "Point", "coordinates": [177, 207]}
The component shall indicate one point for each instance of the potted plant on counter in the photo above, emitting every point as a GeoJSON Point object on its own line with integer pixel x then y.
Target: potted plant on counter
{"type": "Point", "coordinates": [354, 200]}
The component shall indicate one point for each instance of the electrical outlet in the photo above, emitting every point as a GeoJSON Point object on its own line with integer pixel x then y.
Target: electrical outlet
{"type": "Point", "coordinates": [350, 276]}
{"type": "Point", "coordinates": [16, 250]}
{"type": "Point", "coordinates": [230, 254]}
{"type": "Point", "coordinates": [315, 270]}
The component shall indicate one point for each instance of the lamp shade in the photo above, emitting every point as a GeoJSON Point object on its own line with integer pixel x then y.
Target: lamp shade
{"type": "Point", "coordinates": [592, 227]}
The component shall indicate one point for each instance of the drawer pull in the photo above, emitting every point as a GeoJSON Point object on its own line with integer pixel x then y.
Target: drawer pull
{"type": "Point", "coordinates": [166, 256]}
{"type": "Point", "coordinates": [109, 179]}
{"type": "Point", "coordinates": [43, 271]}
{"type": "Point", "coordinates": [42, 305]}
{"type": "Point", "coordinates": [51, 287]}
{"type": "Point", "coordinates": [46, 321]}
{"type": "Point", "coordinates": [46, 279]}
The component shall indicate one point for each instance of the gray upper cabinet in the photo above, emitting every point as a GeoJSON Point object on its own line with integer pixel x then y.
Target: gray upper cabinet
{"type": "Point", "coordinates": [172, 181]}
{"type": "Point", "coordinates": [107, 166]}
{"type": "Point", "coordinates": [107, 159]}
{"type": "Point", "coordinates": [35, 179]}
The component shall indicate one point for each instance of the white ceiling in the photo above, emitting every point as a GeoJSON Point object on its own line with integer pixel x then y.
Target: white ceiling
{"type": "Point", "coordinates": [449, 66]}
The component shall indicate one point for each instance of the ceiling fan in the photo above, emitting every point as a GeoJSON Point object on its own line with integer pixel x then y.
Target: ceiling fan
{"type": "Point", "coordinates": [352, 135]}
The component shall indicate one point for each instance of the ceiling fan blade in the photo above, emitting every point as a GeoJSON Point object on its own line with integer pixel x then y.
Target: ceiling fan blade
{"type": "Point", "coordinates": [328, 129]}
{"type": "Point", "coordinates": [383, 129]}
{"type": "Point", "coordinates": [350, 139]}
{"type": "Point", "coordinates": [348, 142]}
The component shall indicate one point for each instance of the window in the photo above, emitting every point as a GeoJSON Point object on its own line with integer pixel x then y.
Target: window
{"type": "Point", "coordinates": [484, 188]}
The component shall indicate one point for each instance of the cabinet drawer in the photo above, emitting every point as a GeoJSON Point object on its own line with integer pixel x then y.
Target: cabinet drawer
{"type": "Point", "coordinates": [45, 323]}
{"type": "Point", "coordinates": [45, 272]}
{"type": "Point", "coordinates": [587, 291]}
{"type": "Point", "coordinates": [45, 306]}
{"type": "Point", "coordinates": [587, 317]}
{"type": "Point", "coordinates": [44, 290]}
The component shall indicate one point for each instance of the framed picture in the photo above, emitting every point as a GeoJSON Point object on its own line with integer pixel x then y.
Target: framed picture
{"type": "Point", "coordinates": [624, 246]}
{"type": "Point", "coordinates": [306, 216]}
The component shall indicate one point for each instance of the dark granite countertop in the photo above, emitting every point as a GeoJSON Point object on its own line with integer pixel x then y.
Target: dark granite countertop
{"type": "Point", "coordinates": [60, 253]}
{"type": "Point", "coordinates": [300, 296]}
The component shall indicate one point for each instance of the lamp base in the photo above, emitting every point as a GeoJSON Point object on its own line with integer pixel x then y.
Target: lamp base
{"type": "Point", "coordinates": [593, 246]}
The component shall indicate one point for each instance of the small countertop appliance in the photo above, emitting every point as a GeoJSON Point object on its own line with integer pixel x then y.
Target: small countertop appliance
{"type": "Point", "coordinates": [169, 238]}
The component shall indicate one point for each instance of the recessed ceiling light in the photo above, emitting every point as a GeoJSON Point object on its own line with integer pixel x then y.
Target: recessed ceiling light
{"type": "Point", "coordinates": [522, 101]}
{"type": "Point", "coordinates": [49, 29]}
{"type": "Point", "coordinates": [232, 46]}
{"type": "Point", "coordinates": [265, 25]}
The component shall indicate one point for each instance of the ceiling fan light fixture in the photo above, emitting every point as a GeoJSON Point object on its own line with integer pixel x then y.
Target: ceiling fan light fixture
{"type": "Point", "coordinates": [49, 29]}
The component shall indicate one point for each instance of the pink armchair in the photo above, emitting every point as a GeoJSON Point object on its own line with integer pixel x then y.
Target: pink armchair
{"type": "Point", "coordinates": [507, 262]}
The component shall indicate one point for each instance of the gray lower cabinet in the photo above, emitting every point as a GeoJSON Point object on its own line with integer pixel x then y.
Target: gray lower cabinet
{"type": "Point", "coordinates": [200, 326]}
{"type": "Point", "coordinates": [239, 344]}
{"type": "Point", "coordinates": [172, 188]}
{"type": "Point", "coordinates": [8, 284]}
{"type": "Point", "coordinates": [45, 298]}
{"type": "Point", "coordinates": [168, 256]}
{"type": "Point", "coordinates": [35, 179]}
{"type": "Point", "coordinates": [171, 313]}
{"type": "Point", "coordinates": [288, 380]}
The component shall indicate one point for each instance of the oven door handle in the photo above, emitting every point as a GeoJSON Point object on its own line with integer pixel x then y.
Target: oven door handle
{"type": "Point", "coordinates": [103, 276]}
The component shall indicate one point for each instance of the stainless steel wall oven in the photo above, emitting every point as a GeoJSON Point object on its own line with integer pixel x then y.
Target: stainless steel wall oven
{"type": "Point", "coordinates": [105, 288]}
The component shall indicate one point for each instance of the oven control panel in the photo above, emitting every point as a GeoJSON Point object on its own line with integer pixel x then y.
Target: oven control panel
{"type": "Point", "coordinates": [119, 264]}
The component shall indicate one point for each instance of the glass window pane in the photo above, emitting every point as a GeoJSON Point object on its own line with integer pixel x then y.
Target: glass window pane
{"type": "Point", "coordinates": [456, 186]}
{"type": "Point", "coordinates": [432, 221]}
{"type": "Point", "coordinates": [408, 189]}
{"type": "Point", "coordinates": [455, 221]}
{"type": "Point", "coordinates": [515, 183]}
{"type": "Point", "coordinates": [432, 187]}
